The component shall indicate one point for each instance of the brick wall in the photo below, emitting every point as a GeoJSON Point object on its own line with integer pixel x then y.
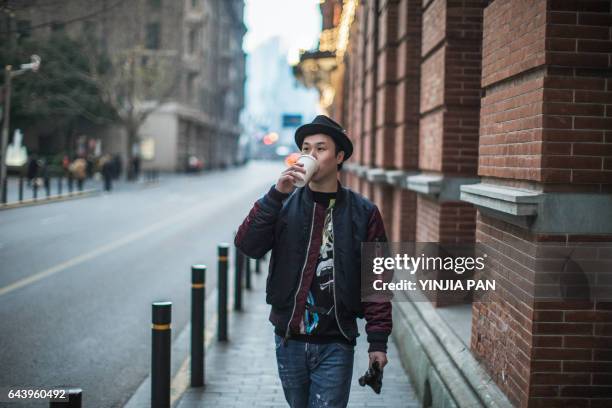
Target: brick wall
{"type": "Point", "coordinates": [545, 124]}
{"type": "Point", "coordinates": [449, 222]}
{"type": "Point", "coordinates": [431, 136]}
{"type": "Point", "coordinates": [546, 116]}
{"type": "Point", "coordinates": [370, 79]}
{"type": "Point", "coordinates": [402, 228]}
{"type": "Point", "coordinates": [386, 82]}
{"type": "Point", "coordinates": [449, 108]}
{"type": "Point", "coordinates": [462, 86]}
{"type": "Point", "coordinates": [450, 86]}
{"type": "Point", "coordinates": [382, 105]}
{"type": "Point", "coordinates": [511, 129]}
{"type": "Point", "coordinates": [357, 43]}
{"type": "Point", "coordinates": [502, 326]}
{"type": "Point", "coordinates": [432, 81]}
{"type": "Point", "coordinates": [408, 78]}
{"type": "Point", "coordinates": [541, 353]}
{"type": "Point", "coordinates": [518, 92]}
{"type": "Point", "coordinates": [382, 196]}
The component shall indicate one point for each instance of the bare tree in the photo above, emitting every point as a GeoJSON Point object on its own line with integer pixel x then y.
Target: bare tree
{"type": "Point", "coordinates": [135, 83]}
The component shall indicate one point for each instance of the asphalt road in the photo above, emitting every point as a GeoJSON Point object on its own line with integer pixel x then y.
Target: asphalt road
{"type": "Point", "coordinates": [77, 278]}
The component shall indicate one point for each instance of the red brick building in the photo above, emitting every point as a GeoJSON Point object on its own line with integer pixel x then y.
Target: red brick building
{"type": "Point", "coordinates": [491, 122]}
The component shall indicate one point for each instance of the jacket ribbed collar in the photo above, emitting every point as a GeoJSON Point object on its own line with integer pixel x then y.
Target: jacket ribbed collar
{"type": "Point", "coordinates": [340, 194]}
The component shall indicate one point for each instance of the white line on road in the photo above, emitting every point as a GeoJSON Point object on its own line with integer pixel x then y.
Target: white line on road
{"type": "Point", "coordinates": [52, 220]}
{"type": "Point", "coordinates": [121, 242]}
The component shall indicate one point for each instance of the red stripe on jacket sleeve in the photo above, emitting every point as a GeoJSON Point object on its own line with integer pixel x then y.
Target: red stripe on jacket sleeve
{"type": "Point", "coordinates": [244, 227]}
{"type": "Point", "coordinates": [378, 315]}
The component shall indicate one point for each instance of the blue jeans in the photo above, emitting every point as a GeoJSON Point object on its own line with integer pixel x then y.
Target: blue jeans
{"type": "Point", "coordinates": [315, 375]}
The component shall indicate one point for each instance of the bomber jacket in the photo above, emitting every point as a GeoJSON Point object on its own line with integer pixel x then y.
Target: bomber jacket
{"type": "Point", "coordinates": [291, 226]}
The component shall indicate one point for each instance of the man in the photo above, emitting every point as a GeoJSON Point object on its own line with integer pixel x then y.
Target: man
{"type": "Point", "coordinates": [315, 234]}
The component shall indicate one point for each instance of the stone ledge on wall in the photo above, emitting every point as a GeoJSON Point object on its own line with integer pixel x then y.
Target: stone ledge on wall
{"type": "Point", "coordinates": [398, 177]}
{"type": "Point", "coordinates": [515, 206]}
{"type": "Point", "coordinates": [507, 200]}
{"type": "Point", "coordinates": [429, 184]}
{"type": "Point", "coordinates": [443, 188]}
{"type": "Point", "coordinates": [376, 175]}
{"type": "Point", "coordinates": [543, 213]}
{"type": "Point", "coordinates": [438, 186]}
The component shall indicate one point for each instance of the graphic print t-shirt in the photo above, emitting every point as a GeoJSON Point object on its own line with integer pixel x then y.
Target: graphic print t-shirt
{"type": "Point", "coordinates": [319, 322]}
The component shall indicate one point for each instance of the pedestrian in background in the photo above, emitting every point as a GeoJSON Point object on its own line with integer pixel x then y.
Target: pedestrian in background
{"type": "Point", "coordinates": [107, 168]}
{"type": "Point", "coordinates": [117, 166]}
{"type": "Point", "coordinates": [136, 167]}
{"type": "Point", "coordinates": [90, 161]}
{"type": "Point", "coordinates": [78, 169]}
{"type": "Point", "coordinates": [65, 164]}
{"type": "Point", "coordinates": [44, 175]}
{"type": "Point", "coordinates": [32, 171]}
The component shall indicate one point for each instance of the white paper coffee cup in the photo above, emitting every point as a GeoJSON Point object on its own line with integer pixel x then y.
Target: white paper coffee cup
{"type": "Point", "coordinates": [311, 165]}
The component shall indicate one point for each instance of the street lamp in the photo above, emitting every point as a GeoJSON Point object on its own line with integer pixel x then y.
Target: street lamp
{"type": "Point", "coordinates": [34, 65]}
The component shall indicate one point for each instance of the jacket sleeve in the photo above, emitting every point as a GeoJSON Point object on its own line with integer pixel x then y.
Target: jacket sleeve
{"type": "Point", "coordinates": [377, 314]}
{"type": "Point", "coordinates": [255, 235]}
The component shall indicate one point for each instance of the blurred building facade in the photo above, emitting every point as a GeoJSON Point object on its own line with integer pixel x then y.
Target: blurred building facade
{"type": "Point", "coordinates": [272, 93]}
{"type": "Point", "coordinates": [483, 121]}
{"type": "Point", "coordinates": [201, 42]}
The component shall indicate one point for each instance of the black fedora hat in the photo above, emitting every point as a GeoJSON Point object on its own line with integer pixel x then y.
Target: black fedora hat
{"type": "Point", "coordinates": [323, 124]}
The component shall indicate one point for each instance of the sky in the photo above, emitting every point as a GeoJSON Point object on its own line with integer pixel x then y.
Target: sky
{"type": "Point", "coordinates": [296, 22]}
{"type": "Point", "coordinates": [277, 30]}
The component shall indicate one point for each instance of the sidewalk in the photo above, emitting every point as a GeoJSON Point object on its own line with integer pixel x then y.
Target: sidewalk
{"type": "Point", "coordinates": [90, 187]}
{"type": "Point", "coordinates": [243, 373]}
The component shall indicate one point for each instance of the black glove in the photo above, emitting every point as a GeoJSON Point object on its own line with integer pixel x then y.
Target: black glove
{"type": "Point", "coordinates": [373, 377]}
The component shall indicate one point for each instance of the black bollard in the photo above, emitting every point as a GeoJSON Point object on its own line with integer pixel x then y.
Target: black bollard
{"type": "Point", "coordinates": [59, 185]}
{"type": "Point", "coordinates": [223, 252]}
{"type": "Point", "coordinates": [4, 191]}
{"type": "Point", "coordinates": [20, 188]}
{"type": "Point", "coordinates": [198, 313]}
{"type": "Point", "coordinates": [47, 186]}
{"type": "Point", "coordinates": [238, 263]}
{"type": "Point", "coordinates": [35, 188]}
{"type": "Point", "coordinates": [160, 355]}
{"type": "Point", "coordinates": [247, 271]}
{"type": "Point", "coordinates": [257, 266]}
{"type": "Point", "coordinates": [73, 399]}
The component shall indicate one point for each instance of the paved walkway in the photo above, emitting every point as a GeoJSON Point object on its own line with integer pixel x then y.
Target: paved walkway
{"type": "Point", "coordinates": [243, 372]}
{"type": "Point", "coordinates": [90, 184]}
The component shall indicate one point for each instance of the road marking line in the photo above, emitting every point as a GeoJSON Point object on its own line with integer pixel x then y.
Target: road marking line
{"type": "Point", "coordinates": [182, 380]}
{"type": "Point", "coordinates": [53, 219]}
{"type": "Point", "coordinates": [114, 245]}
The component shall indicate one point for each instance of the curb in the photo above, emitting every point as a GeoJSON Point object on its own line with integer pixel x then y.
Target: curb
{"type": "Point", "coordinates": [51, 199]}
{"type": "Point", "coordinates": [65, 197]}
{"type": "Point", "coordinates": [432, 353]}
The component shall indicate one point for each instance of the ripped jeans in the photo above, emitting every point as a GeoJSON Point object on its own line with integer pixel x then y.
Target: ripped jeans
{"type": "Point", "coordinates": [315, 375]}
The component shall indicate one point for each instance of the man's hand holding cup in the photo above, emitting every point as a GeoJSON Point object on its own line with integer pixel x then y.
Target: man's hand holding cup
{"type": "Point", "coordinates": [293, 174]}
{"type": "Point", "coordinates": [297, 175]}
